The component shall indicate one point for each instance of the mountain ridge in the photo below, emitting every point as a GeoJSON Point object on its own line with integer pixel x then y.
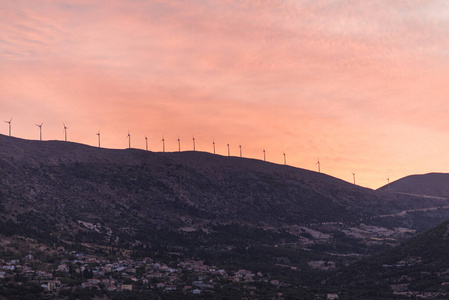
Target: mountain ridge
{"type": "Point", "coordinates": [196, 168]}
{"type": "Point", "coordinates": [184, 189]}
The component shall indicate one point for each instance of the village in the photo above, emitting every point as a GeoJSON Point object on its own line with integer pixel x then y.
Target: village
{"type": "Point", "coordinates": [89, 271]}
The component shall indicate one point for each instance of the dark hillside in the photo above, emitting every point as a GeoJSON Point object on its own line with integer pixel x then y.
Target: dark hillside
{"type": "Point", "coordinates": [232, 212]}
{"type": "Point", "coordinates": [64, 183]}
{"type": "Point", "coordinates": [417, 266]}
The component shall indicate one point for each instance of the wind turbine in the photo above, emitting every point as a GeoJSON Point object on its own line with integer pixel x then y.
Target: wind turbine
{"type": "Point", "coordinates": [388, 184]}
{"type": "Point", "coordinates": [240, 146]}
{"type": "Point", "coordinates": [163, 145]}
{"type": "Point", "coordinates": [65, 132]}
{"type": "Point", "coordinates": [9, 122]}
{"type": "Point", "coordinates": [129, 140]}
{"type": "Point", "coordinates": [213, 143]}
{"type": "Point", "coordinates": [229, 152]}
{"type": "Point", "coordinates": [285, 160]}
{"type": "Point", "coordinates": [319, 166]}
{"type": "Point", "coordinates": [264, 158]}
{"type": "Point", "coordinates": [146, 143]}
{"type": "Point", "coordinates": [179, 145]}
{"type": "Point", "coordinates": [98, 133]}
{"type": "Point", "coordinates": [40, 130]}
{"type": "Point", "coordinates": [193, 144]}
{"type": "Point", "coordinates": [353, 176]}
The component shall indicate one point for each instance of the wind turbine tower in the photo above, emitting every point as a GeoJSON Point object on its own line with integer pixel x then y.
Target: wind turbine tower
{"type": "Point", "coordinates": [129, 140]}
{"type": "Point", "coordinates": [179, 145]}
{"type": "Point", "coordinates": [193, 144]}
{"type": "Point", "coordinates": [163, 145]}
{"type": "Point", "coordinates": [353, 176]}
{"type": "Point", "coordinates": [285, 159]}
{"type": "Point", "coordinates": [229, 152]}
{"type": "Point", "coordinates": [240, 146]}
{"type": "Point", "coordinates": [9, 123]}
{"type": "Point", "coordinates": [40, 130]}
{"type": "Point", "coordinates": [213, 143]}
{"type": "Point", "coordinates": [98, 133]}
{"type": "Point", "coordinates": [65, 132]}
{"type": "Point", "coordinates": [319, 166]}
{"type": "Point", "coordinates": [264, 157]}
{"type": "Point", "coordinates": [146, 143]}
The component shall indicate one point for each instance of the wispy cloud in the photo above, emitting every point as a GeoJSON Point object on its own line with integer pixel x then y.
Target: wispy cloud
{"type": "Point", "coordinates": [358, 83]}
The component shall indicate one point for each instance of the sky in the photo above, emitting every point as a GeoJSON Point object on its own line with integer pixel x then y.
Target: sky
{"type": "Point", "coordinates": [363, 86]}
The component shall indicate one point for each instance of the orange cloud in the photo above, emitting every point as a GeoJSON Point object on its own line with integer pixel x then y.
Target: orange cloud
{"type": "Point", "coordinates": [361, 85]}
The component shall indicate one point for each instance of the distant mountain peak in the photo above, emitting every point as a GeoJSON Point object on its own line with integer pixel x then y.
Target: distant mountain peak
{"type": "Point", "coordinates": [430, 184]}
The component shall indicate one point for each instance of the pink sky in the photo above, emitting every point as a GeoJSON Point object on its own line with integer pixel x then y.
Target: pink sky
{"type": "Point", "coordinates": [363, 85]}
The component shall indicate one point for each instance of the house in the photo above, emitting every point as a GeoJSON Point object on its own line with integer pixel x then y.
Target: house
{"type": "Point", "coordinates": [198, 283]}
{"type": "Point", "coordinates": [53, 284]}
{"type": "Point", "coordinates": [155, 275]}
{"type": "Point", "coordinates": [187, 287]}
{"type": "Point", "coordinates": [86, 285]}
{"type": "Point", "coordinates": [170, 288]}
{"type": "Point", "coordinates": [63, 267]}
{"type": "Point", "coordinates": [119, 269]}
{"type": "Point", "coordinates": [94, 281]}
{"type": "Point", "coordinates": [27, 273]}
{"type": "Point", "coordinates": [29, 257]}
{"type": "Point", "coordinates": [275, 282]}
{"type": "Point", "coordinates": [127, 287]}
{"type": "Point", "coordinates": [43, 274]}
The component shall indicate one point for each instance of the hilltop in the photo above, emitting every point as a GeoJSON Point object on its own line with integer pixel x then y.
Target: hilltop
{"type": "Point", "coordinates": [431, 184]}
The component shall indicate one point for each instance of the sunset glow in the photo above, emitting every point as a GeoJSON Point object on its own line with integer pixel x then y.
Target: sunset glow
{"type": "Point", "coordinates": [363, 86]}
